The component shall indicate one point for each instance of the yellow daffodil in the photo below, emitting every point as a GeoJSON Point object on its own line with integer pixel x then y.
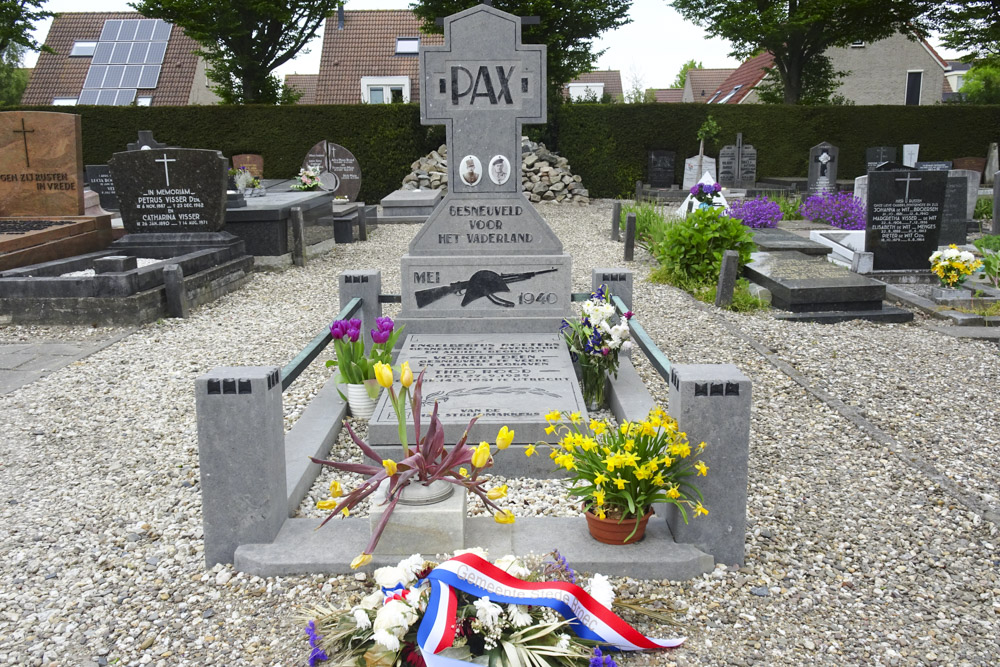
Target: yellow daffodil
{"type": "Point", "coordinates": [658, 480]}
{"type": "Point", "coordinates": [574, 417]}
{"type": "Point", "coordinates": [624, 428]}
{"type": "Point", "coordinates": [328, 504]}
{"type": "Point", "coordinates": [553, 416]}
{"type": "Point", "coordinates": [673, 492]}
{"type": "Point", "coordinates": [529, 450]}
{"type": "Point", "coordinates": [390, 467]}
{"type": "Point", "coordinates": [588, 444]}
{"type": "Point", "coordinates": [642, 473]}
{"type": "Point", "coordinates": [701, 447]}
{"type": "Point", "coordinates": [631, 459]}
{"type": "Point", "coordinates": [336, 490]}
{"type": "Point", "coordinates": [482, 455]}
{"type": "Point", "coordinates": [362, 560]}
{"type": "Point", "coordinates": [647, 429]}
{"type": "Point", "coordinates": [651, 465]}
{"type": "Point", "coordinates": [701, 468]}
{"type": "Point", "coordinates": [463, 472]}
{"type": "Point", "coordinates": [549, 430]}
{"type": "Point", "coordinates": [599, 496]}
{"type": "Point", "coordinates": [619, 482]}
{"type": "Point", "coordinates": [700, 509]}
{"type": "Point", "coordinates": [497, 492]}
{"type": "Point", "coordinates": [601, 479]}
{"type": "Point", "coordinates": [405, 374]}
{"type": "Point", "coordinates": [598, 427]}
{"type": "Point", "coordinates": [504, 438]}
{"type": "Point", "coordinates": [600, 513]}
{"type": "Point", "coordinates": [383, 374]}
{"type": "Point", "coordinates": [553, 454]}
{"type": "Point", "coordinates": [565, 461]}
{"type": "Point", "coordinates": [504, 517]}
{"type": "Point", "coordinates": [346, 512]}
{"type": "Point", "coordinates": [629, 445]}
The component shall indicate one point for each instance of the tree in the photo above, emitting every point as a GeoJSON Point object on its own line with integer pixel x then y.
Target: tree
{"type": "Point", "coordinates": [682, 76]}
{"type": "Point", "coordinates": [635, 93]}
{"type": "Point", "coordinates": [242, 42]}
{"type": "Point", "coordinates": [566, 28]}
{"type": "Point", "coordinates": [981, 84]}
{"type": "Point", "coordinates": [13, 77]}
{"type": "Point", "coordinates": [796, 32]}
{"type": "Point", "coordinates": [972, 26]}
{"type": "Point", "coordinates": [17, 19]}
{"type": "Point", "coordinates": [819, 83]}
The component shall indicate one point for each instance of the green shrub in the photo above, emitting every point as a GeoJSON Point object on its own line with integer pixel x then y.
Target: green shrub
{"type": "Point", "coordinates": [690, 250]}
{"type": "Point", "coordinates": [647, 216]}
{"type": "Point", "coordinates": [984, 209]}
{"type": "Point", "coordinates": [789, 207]}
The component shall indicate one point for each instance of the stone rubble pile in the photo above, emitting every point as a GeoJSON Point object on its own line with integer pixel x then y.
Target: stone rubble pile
{"type": "Point", "coordinates": [545, 176]}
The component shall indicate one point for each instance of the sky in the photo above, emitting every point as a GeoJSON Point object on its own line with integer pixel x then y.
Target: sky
{"type": "Point", "coordinates": [649, 51]}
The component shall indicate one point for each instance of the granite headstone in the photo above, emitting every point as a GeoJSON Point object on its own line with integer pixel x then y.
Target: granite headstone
{"type": "Point", "coordinates": [910, 154]}
{"type": "Point", "coordinates": [823, 168]}
{"type": "Point", "coordinates": [171, 189]}
{"type": "Point", "coordinates": [691, 173]}
{"type": "Point", "coordinates": [972, 179]}
{"type": "Point", "coordinates": [953, 213]}
{"type": "Point", "coordinates": [339, 171]}
{"type": "Point", "coordinates": [904, 218]}
{"type": "Point", "coordinates": [876, 155]}
{"type": "Point", "coordinates": [99, 178]}
{"type": "Point", "coordinates": [41, 164]}
{"type": "Point", "coordinates": [254, 163]}
{"type": "Point", "coordinates": [738, 165]}
{"type": "Point", "coordinates": [145, 142]}
{"type": "Point", "coordinates": [661, 168]}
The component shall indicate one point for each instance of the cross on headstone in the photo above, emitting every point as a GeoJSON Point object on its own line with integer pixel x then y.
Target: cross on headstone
{"type": "Point", "coordinates": [824, 160]}
{"type": "Point", "coordinates": [166, 171]}
{"type": "Point", "coordinates": [24, 134]}
{"type": "Point", "coordinates": [909, 179]}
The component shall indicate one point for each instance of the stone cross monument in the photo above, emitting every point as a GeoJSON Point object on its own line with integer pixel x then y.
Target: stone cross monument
{"type": "Point", "coordinates": [485, 260]}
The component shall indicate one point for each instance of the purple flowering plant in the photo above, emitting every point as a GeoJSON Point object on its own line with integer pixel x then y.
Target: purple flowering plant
{"type": "Point", "coordinates": [353, 365]}
{"type": "Point", "coordinates": [841, 209]}
{"type": "Point", "coordinates": [756, 213]}
{"type": "Point", "coordinates": [704, 192]}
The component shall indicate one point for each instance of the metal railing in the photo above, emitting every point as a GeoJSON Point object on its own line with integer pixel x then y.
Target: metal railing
{"type": "Point", "coordinates": [295, 367]}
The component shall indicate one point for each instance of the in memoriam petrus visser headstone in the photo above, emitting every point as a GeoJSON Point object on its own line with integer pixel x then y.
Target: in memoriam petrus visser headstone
{"type": "Point", "coordinates": [661, 168]}
{"type": "Point", "coordinates": [904, 218]}
{"type": "Point", "coordinates": [823, 168]}
{"type": "Point", "coordinates": [339, 171]}
{"type": "Point", "coordinates": [485, 260]}
{"type": "Point", "coordinates": [41, 164]}
{"type": "Point", "coordinates": [171, 189]}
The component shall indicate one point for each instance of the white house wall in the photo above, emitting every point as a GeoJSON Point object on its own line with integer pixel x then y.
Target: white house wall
{"type": "Point", "coordinates": [878, 71]}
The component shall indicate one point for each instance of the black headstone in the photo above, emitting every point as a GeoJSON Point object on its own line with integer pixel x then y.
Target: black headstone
{"type": "Point", "coordinates": [891, 166]}
{"type": "Point", "coordinates": [879, 154]}
{"type": "Point", "coordinates": [171, 189]}
{"type": "Point", "coordinates": [823, 168]}
{"type": "Point", "coordinates": [954, 211]}
{"type": "Point", "coordinates": [904, 218]}
{"type": "Point", "coordinates": [942, 165]}
{"type": "Point", "coordinates": [145, 142]}
{"type": "Point", "coordinates": [99, 178]}
{"type": "Point", "coordinates": [661, 168]}
{"type": "Point", "coordinates": [339, 171]}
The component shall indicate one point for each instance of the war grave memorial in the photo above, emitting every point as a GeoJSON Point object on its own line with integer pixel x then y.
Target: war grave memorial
{"type": "Point", "coordinates": [852, 513]}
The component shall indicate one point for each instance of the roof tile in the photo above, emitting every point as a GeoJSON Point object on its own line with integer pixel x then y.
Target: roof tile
{"type": "Point", "coordinates": [704, 82]}
{"type": "Point", "coordinates": [611, 78]}
{"type": "Point", "coordinates": [305, 84]}
{"type": "Point", "coordinates": [669, 95]}
{"type": "Point", "coordinates": [746, 76]}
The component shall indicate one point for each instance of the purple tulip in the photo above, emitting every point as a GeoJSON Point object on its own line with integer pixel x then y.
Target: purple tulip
{"type": "Point", "coordinates": [337, 329]}
{"type": "Point", "coordinates": [384, 324]}
{"type": "Point", "coordinates": [353, 333]}
{"type": "Point", "coordinates": [380, 336]}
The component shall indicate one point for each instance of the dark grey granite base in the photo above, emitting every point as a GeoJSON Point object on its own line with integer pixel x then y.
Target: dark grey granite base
{"type": "Point", "coordinates": [801, 283]}
{"type": "Point", "coordinates": [773, 240]}
{"type": "Point", "coordinates": [885, 314]}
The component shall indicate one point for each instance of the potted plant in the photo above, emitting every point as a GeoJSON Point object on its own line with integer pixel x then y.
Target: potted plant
{"type": "Point", "coordinates": [428, 462]}
{"type": "Point", "coordinates": [619, 473]}
{"type": "Point", "coordinates": [308, 179]}
{"type": "Point", "coordinates": [355, 368]}
{"type": "Point", "coordinates": [594, 343]}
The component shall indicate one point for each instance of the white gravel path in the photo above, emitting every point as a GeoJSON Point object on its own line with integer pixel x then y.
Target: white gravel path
{"type": "Point", "coordinates": [867, 545]}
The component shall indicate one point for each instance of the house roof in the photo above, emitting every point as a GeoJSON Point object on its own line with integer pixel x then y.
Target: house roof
{"type": "Point", "coordinates": [746, 76]}
{"type": "Point", "coordinates": [669, 95]}
{"type": "Point", "coordinates": [305, 84]}
{"type": "Point", "coordinates": [58, 75]}
{"type": "Point", "coordinates": [704, 82]}
{"type": "Point", "coordinates": [959, 66]}
{"type": "Point", "coordinates": [611, 78]}
{"type": "Point", "coordinates": [366, 46]}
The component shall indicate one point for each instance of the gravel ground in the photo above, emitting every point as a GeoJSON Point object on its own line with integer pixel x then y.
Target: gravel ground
{"type": "Point", "coordinates": [872, 520]}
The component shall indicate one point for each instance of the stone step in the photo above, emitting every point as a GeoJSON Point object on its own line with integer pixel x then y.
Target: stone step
{"type": "Point", "coordinates": [773, 240]}
{"type": "Point", "coordinates": [302, 549]}
{"type": "Point", "coordinates": [885, 314]}
{"type": "Point", "coordinates": [802, 283]}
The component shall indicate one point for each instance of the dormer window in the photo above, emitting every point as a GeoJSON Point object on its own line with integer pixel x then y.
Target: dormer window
{"type": "Point", "coordinates": [730, 95]}
{"type": "Point", "coordinates": [857, 45]}
{"type": "Point", "coordinates": [717, 93]}
{"type": "Point", "coordinates": [83, 49]}
{"type": "Point", "coordinates": [407, 46]}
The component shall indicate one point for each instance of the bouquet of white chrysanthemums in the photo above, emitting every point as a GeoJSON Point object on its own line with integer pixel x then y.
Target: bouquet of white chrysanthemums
{"type": "Point", "coordinates": [952, 266]}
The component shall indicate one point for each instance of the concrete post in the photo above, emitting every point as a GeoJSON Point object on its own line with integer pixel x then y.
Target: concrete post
{"type": "Point", "coordinates": [298, 237]}
{"type": "Point", "coordinates": [616, 221]}
{"type": "Point", "coordinates": [711, 403]}
{"type": "Point", "coordinates": [241, 453]}
{"type": "Point", "coordinates": [173, 285]}
{"type": "Point", "coordinates": [629, 237]}
{"type": "Point", "coordinates": [996, 204]}
{"type": "Point", "coordinates": [367, 285]}
{"type": "Point", "coordinates": [638, 191]}
{"type": "Point", "coordinates": [618, 281]}
{"type": "Point", "coordinates": [727, 279]}
{"type": "Point", "coordinates": [362, 223]}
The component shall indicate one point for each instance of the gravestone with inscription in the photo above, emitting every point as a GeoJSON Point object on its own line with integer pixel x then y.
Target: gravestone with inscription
{"type": "Point", "coordinates": [939, 165]}
{"type": "Point", "coordinates": [339, 171]}
{"type": "Point", "coordinates": [693, 176]}
{"type": "Point", "coordinates": [253, 163]}
{"type": "Point", "coordinates": [661, 168]}
{"type": "Point", "coordinates": [738, 165]}
{"type": "Point", "coordinates": [971, 178]}
{"type": "Point", "coordinates": [954, 216]}
{"type": "Point", "coordinates": [977, 164]}
{"type": "Point", "coordinates": [904, 218]}
{"type": "Point", "coordinates": [485, 260]}
{"type": "Point", "coordinates": [41, 168]}
{"type": "Point", "coordinates": [99, 179]}
{"type": "Point", "coordinates": [876, 155]}
{"type": "Point", "coordinates": [911, 153]}
{"type": "Point", "coordinates": [823, 168]}
{"type": "Point", "coordinates": [170, 189]}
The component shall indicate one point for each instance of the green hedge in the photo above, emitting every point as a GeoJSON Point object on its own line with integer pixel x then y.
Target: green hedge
{"type": "Point", "coordinates": [385, 139]}
{"type": "Point", "coordinates": [607, 145]}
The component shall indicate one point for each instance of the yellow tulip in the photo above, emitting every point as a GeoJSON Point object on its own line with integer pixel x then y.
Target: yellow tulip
{"type": "Point", "coordinates": [362, 560]}
{"type": "Point", "coordinates": [497, 492]}
{"type": "Point", "coordinates": [482, 455]}
{"type": "Point", "coordinates": [383, 374]}
{"type": "Point", "coordinates": [504, 517]}
{"type": "Point", "coordinates": [328, 504]}
{"type": "Point", "coordinates": [390, 467]}
{"type": "Point", "coordinates": [336, 490]}
{"type": "Point", "coordinates": [405, 374]}
{"type": "Point", "coordinates": [504, 438]}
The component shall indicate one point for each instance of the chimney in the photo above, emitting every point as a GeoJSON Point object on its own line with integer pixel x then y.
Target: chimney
{"type": "Point", "coordinates": [340, 16]}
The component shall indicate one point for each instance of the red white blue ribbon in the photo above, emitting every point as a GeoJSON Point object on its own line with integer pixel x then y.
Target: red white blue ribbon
{"type": "Point", "coordinates": [469, 573]}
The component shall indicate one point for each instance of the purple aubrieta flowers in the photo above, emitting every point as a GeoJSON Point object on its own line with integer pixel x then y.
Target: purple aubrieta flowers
{"type": "Point", "coordinates": [601, 660]}
{"type": "Point", "coordinates": [756, 213]}
{"type": "Point", "coordinates": [317, 655]}
{"type": "Point", "coordinates": [349, 329]}
{"type": "Point", "coordinates": [383, 330]}
{"type": "Point", "coordinates": [842, 210]}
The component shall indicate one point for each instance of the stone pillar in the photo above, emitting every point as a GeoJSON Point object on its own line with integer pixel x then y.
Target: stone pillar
{"type": "Point", "coordinates": [996, 204]}
{"type": "Point", "coordinates": [728, 273]}
{"type": "Point", "coordinates": [362, 223]}
{"type": "Point", "coordinates": [617, 280]}
{"type": "Point", "coordinates": [629, 237]}
{"type": "Point", "coordinates": [173, 286]}
{"type": "Point", "coordinates": [616, 221]}
{"type": "Point", "coordinates": [298, 237]}
{"type": "Point", "coordinates": [241, 452]}
{"type": "Point", "coordinates": [366, 284]}
{"type": "Point", "coordinates": [711, 403]}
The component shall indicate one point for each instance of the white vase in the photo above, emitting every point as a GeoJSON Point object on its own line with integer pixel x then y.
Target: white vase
{"type": "Point", "coordinates": [362, 405]}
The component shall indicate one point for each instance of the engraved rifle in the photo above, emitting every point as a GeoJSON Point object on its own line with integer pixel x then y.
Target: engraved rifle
{"type": "Point", "coordinates": [483, 283]}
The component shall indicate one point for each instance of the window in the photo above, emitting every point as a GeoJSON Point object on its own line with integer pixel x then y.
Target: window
{"type": "Point", "coordinates": [407, 46]}
{"type": "Point", "coordinates": [82, 49]}
{"type": "Point", "coordinates": [64, 101]}
{"type": "Point", "coordinates": [143, 101]}
{"type": "Point", "coordinates": [730, 95]}
{"type": "Point", "coordinates": [585, 91]}
{"type": "Point", "coordinates": [857, 45]}
{"type": "Point", "coordinates": [385, 89]}
{"type": "Point", "coordinates": [914, 81]}
{"type": "Point", "coordinates": [712, 99]}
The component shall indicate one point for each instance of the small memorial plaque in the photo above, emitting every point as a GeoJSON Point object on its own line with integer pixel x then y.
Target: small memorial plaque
{"type": "Point", "coordinates": [904, 218]}
{"type": "Point", "coordinates": [339, 171]}
{"type": "Point", "coordinates": [41, 164]}
{"type": "Point", "coordinates": [99, 178]}
{"type": "Point", "coordinates": [253, 163]}
{"type": "Point", "coordinates": [661, 168]}
{"type": "Point", "coordinates": [942, 165]}
{"type": "Point", "coordinates": [876, 155]}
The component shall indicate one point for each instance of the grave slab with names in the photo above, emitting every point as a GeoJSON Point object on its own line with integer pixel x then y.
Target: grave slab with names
{"type": "Point", "coordinates": [693, 176]}
{"type": "Point", "coordinates": [510, 381]}
{"type": "Point", "coordinates": [339, 171]}
{"type": "Point", "coordinates": [661, 168]}
{"type": "Point", "coordinates": [904, 218]}
{"type": "Point", "coordinates": [823, 168]}
{"type": "Point", "coordinates": [485, 260]}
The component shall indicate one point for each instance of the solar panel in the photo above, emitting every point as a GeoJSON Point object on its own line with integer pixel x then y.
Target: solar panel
{"type": "Point", "coordinates": [113, 78]}
{"type": "Point", "coordinates": [88, 97]}
{"type": "Point", "coordinates": [161, 33]}
{"type": "Point", "coordinates": [127, 31]}
{"type": "Point", "coordinates": [110, 32]}
{"type": "Point", "coordinates": [102, 54]}
{"type": "Point", "coordinates": [125, 97]}
{"type": "Point", "coordinates": [95, 76]}
{"type": "Point", "coordinates": [127, 57]}
{"type": "Point", "coordinates": [155, 54]}
{"type": "Point", "coordinates": [131, 77]}
{"type": "Point", "coordinates": [138, 54]}
{"type": "Point", "coordinates": [107, 97]}
{"type": "Point", "coordinates": [120, 54]}
{"type": "Point", "coordinates": [145, 31]}
{"type": "Point", "coordinates": [150, 75]}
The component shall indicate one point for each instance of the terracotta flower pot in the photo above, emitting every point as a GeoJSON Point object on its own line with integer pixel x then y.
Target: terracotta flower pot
{"type": "Point", "coordinates": [609, 531]}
